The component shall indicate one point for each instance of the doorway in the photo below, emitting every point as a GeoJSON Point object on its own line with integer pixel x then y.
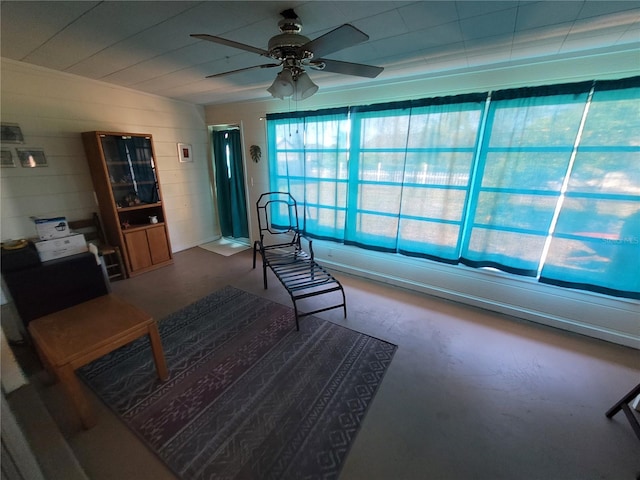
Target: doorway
{"type": "Point", "coordinates": [228, 169]}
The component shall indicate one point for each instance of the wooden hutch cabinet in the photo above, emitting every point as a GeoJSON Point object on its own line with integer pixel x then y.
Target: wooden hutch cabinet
{"type": "Point", "coordinates": [127, 187]}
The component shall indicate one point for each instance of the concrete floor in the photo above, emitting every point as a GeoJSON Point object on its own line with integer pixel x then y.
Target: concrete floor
{"type": "Point", "coordinates": [470, 394]}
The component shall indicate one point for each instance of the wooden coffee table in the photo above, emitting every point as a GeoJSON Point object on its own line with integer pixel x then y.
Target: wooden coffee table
{"type": "Point", "coordinates": [68, 339]}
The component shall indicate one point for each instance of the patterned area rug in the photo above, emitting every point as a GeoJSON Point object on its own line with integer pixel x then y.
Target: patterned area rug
{"type": "Point", "coordinates": [248, 396]}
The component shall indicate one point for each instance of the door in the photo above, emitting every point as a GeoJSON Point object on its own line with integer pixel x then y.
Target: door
{"type": "Point", "coordinates": [138, 249]}
{"type": "Point", "coordinates": [158, 246]}
{"type": "Point", "coordinates": [147, 247]}
{"type": "Point", "coordinates": [230, 188]}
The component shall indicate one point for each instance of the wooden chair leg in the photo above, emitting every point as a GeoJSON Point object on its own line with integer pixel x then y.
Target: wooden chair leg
{"type": "Point", "coordinates": [123, 271]}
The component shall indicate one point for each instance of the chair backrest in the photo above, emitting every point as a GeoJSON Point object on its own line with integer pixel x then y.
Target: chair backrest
{"type": "Point", "coordinates": [91, 228]}
{"type": "Point", "coordinates": [278, 218]}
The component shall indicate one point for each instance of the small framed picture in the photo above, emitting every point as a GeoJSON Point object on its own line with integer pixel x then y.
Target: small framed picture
{"type": "Point", "coordinates": [32, 157]}
{"type": "Point", "coordinates": [184, 152]}
{"type": "Point", "coordinates": [7, 158]}
{"type": "Point", "coordinates": [11, 133]}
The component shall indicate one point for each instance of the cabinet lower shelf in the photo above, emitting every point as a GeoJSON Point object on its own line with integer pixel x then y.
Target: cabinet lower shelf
{"type": "Point", "coordinates": [135, 228]}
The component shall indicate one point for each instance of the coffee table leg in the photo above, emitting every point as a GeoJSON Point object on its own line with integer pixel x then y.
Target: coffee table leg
{"type": "Point", "coordinates": [158, 353]}
{"type": "Point", "coordinates": [45, 362]}
{"type": "Point", "coordinates": [71, 384]}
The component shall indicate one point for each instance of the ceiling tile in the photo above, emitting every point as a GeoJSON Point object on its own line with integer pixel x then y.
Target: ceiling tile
{"type": "Point", "coordinates": [101, 27]}
{"type": "Point", "coordinates": [488, 25]}
{"type": "Point", "coordinates": [421, 15]}
{"type": "Point", "coordinates": [528, 50]}
{"type": "Point", "coordinates": [27, 25]}
{"type": "Point", "coordinates": [542, 35]}
{"type": "Point", "coordinates": [400, 45]}
{"type": "Point", "coordinates": [631, 35]}
{"type": "Point", "coordinates": [604, 23]}
{"type": "Point", "coordinates": [538, 14]}
{"type": "Point", "coordinates": [488, 46]}
{"type": "Point", "coordinates": [440, 35]}
{"type": "Point", "coordinates": [533, 43]}
{"type": "Point", "coordinates": [578, 40]}
{"type": "Point", "coordinates": [355, 10]}
{"type": "Point", "coordinates": [472, 8]}
{"type": "Point", "coordinates": [596, 8]}
{"type": "Point", "coordinates": [388, 24]}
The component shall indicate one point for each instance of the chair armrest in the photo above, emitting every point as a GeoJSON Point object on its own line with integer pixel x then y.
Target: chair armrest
{"type": "Point", "coordinates": [309, 245]}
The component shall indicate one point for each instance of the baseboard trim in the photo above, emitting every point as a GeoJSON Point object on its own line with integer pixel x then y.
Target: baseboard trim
{"type": "Point", "coordinates": [620, 310]}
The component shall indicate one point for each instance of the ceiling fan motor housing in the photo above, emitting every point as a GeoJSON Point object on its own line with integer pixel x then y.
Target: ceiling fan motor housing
{"type": "Point", "coordinates": [286, 44]}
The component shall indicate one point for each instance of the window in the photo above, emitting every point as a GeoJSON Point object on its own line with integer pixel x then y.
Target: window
{"type": "Point", "coordinates": [529, 137]}
{"type": "Point", "coordinates": [310, 162]}
{"type": "Point", "coordinates": [543, 182]}
{"type": "Point", "coordinates": [411, 169]}
{"type": "Point", "coordinates": [596, 242]}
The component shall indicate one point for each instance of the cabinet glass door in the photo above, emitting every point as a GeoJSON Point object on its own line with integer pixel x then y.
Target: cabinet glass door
{"type": "Point", "coordinates": [131, 168]}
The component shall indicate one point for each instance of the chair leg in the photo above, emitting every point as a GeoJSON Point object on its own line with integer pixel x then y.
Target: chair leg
{"type": "Point", "coordinates": [264, 274]}
{"type": "Point", "coordinates": [626, 399]}
{"type": "Point", "coordinates": [256, 245]}
{"type": "Point", "coordinates": [123, 270]}
{"type": "Point", "coordinates": [295, 311]}
{"type": "Point", "coordinates": [255, 248]}
{"type": "Point", "coordinates": [623, 405]}
{"type": "Point", "coordinates": [344, 302]}
{"type": "Point", "coordinates": [114, 264]}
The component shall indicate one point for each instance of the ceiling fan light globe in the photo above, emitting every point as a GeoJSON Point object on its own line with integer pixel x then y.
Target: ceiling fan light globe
{"type": "Point", "coordinates": [282, 86]}
{"type": "Point", "coordinates": [304, 87]}
{"type": "Point", "coordinates": [274, 93]}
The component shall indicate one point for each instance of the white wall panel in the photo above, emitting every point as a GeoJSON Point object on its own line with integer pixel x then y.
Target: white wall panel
{"type": "Point", "coordinates": [52, 110]}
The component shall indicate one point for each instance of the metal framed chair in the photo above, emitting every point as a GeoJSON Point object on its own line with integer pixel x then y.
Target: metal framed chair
{"type": "Point", "coordinates": [281, 249]}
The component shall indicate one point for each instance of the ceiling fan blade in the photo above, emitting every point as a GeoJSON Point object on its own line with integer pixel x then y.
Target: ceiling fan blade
{"type": "Point", "coordinates": [266, 65]}
{"type": "Point", "coordinates": [230, 43]}
{"type": "Point", "coordinates": [347, 68]}
{"type": "Point", "coordinates": [337, 39]}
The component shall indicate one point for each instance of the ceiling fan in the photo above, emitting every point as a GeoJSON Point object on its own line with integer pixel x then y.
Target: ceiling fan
{"type": "Point", "coordinates": [295, 52]}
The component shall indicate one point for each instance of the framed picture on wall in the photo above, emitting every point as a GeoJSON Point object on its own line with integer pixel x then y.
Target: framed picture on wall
{"type": "Point", "coordinates": [184, 152]}
{"type": "Point", "coordinates": [7, 158]}
{"type": "Point", "coordinates": [32, 157]}
{"type": "Point", "coordinates": [11, 133]}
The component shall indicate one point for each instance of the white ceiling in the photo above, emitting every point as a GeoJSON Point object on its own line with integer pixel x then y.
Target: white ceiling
{"type": "Point", "coordinates": [145, 45]}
